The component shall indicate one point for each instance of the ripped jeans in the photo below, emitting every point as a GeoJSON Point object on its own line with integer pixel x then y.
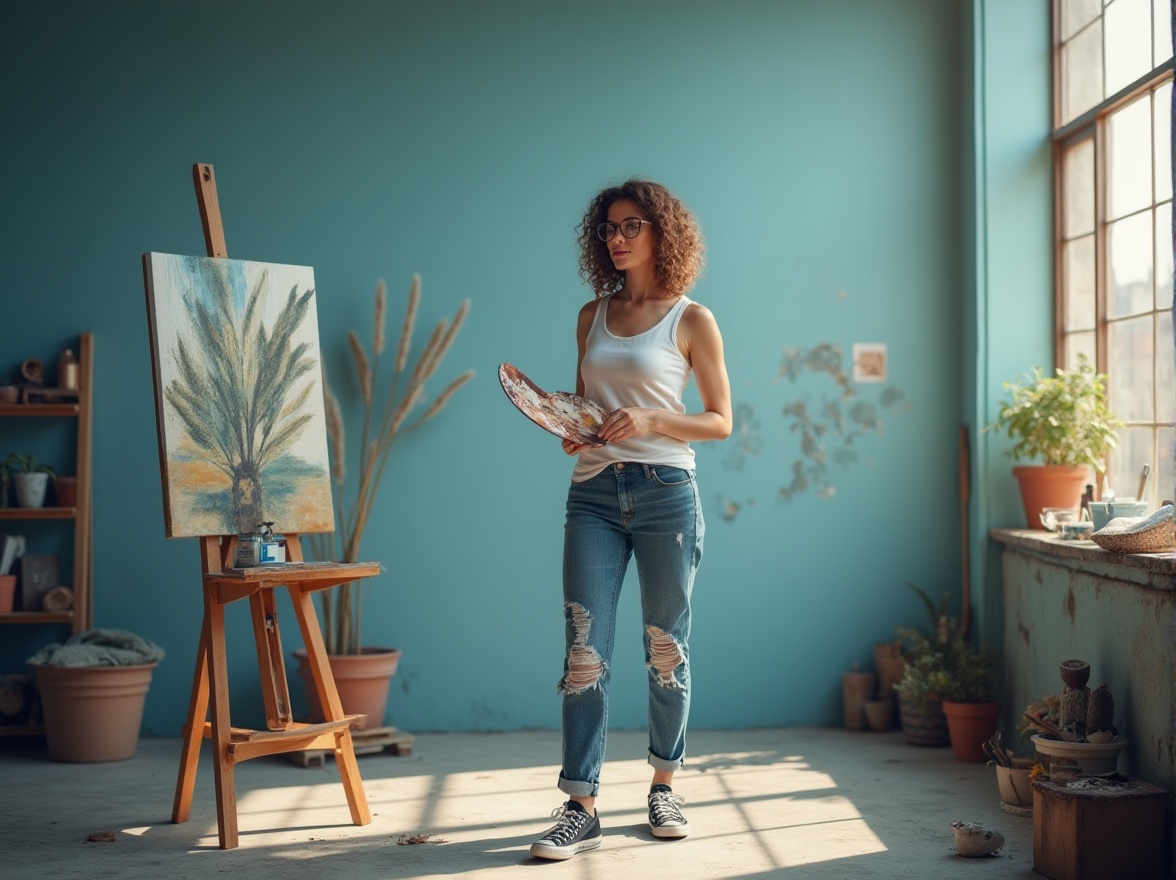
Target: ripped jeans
{"type": "Point", "coordinates": [651, 512]}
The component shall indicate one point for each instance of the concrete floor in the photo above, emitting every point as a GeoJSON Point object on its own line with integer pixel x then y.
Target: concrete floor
{"type": "Point", "coordinates": [792, 803]}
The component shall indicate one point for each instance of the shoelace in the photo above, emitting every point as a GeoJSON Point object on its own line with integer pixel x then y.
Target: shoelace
{"type": "Point", "coordinates": [664, 807]}
{"type": "Point", "coordinates": [568, 826]}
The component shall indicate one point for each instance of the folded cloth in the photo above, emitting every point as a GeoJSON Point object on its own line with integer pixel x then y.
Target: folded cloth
{"type": "Point", "coordinates": [99, 647]}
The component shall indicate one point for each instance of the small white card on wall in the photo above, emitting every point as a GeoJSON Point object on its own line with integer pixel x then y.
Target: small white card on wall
{"type": "Point", "coordinates": [869, 362]}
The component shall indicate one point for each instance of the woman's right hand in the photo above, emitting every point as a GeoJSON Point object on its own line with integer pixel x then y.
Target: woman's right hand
{"type": "Point", "coordinates": [571, 447]}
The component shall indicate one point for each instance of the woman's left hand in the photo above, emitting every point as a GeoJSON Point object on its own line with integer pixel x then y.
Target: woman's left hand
{"type": "Point", "coordinates": [626, 423]}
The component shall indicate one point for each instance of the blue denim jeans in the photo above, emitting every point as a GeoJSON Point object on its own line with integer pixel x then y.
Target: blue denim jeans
{"type": "Point", "coordinates": [651, 512]}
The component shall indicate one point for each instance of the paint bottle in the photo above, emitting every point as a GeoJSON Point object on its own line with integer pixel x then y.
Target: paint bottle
{"type": "Point", "coordinates": [1087, 497]}
{"type": "Point", "coordinates": [67, 371]}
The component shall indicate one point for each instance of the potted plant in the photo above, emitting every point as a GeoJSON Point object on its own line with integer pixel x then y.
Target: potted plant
{"type": "Point", "coordinates": [1063, 421]}
{"type": "Point", "coordinates": [925, 677]}
{"type": "Point", "coordinates": [969, 699]}
{"type": "Point", "coordinates": [93, 688]}
{"type": "Point", "coordinates": [363, 672]}
{"type": "Point", "coordinates": [29, 478]}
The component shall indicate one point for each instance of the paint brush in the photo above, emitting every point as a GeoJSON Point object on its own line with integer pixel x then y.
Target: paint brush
{"type": "Point", "coordinates": [1142, 482]}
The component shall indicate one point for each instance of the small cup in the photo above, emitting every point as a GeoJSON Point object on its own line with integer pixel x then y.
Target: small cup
{"type": "Point", "coordinates": [1102, 512]}
{"type": "Point", "coordinates": [1053, 517]}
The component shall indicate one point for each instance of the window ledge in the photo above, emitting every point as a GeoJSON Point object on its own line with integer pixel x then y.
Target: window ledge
{"type": "Point", "coordinates": [1154, 570]}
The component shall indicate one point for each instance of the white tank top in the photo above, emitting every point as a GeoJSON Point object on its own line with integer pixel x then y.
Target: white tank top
{"type": "Point", "coordinates": [645, 370]}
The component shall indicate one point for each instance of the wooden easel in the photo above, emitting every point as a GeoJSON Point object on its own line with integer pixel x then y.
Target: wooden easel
{"type": "Point", "coordinates": [223, 585]}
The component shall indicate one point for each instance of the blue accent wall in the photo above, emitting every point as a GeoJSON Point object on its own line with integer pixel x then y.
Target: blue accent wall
{"type": "Point", "coordinates": [848, 195]}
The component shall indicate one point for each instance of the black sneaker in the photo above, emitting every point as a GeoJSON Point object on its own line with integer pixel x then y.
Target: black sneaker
{"type": "Point", "coordinates": [665, 819]}
{"type": "Point", "coordinates": [575, 832]}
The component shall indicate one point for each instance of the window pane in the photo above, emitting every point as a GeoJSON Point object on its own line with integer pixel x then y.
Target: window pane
{"type": "Point", "coordinates": [1075, 344]}
{"type": "Point", "coordinates": [1129, 279]}
{"type": "Point", "coordinates": [1129, 369]}
{"type": "Point", "coordinates": [1127, 24]}
{"type": "Point", "coordinates": [1082, 72]}
{"type": "Point", "coordinates": [1165, 369]}
{"type": "Point", "coordinates": [1077, 13]}
{"type": "Point", "coordinates": [1164, 256]}
{"type": "Point", "coordinates": [1078, 264]}
{"type": "Point", "coordinates": [1078, 188]}
{"type": "Point", "coordinates": [1127, 461]}
{"type": "Point", "coordinates": [1129, 161]}
{"type": "Point", "coordinates": [1162, 105]}
{"type": "Point", "coordinates": [1165, 467]}
{"type": "Point", "coordinates": [1162, 21]}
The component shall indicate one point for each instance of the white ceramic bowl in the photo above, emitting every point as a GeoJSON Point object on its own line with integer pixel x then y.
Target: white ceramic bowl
{"type": "Point", "coordinates": [1091, 758]}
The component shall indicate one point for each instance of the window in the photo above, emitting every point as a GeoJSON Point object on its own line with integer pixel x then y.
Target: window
{"type": "Point", "coordinates": [1113, 229]}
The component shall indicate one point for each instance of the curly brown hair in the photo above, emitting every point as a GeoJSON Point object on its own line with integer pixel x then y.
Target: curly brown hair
{"type": "Point", "coordinates": [678, 243]}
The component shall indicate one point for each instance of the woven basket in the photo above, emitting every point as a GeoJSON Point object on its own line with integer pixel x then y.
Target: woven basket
{"type": "Point", "coordinates": [1154, 534]}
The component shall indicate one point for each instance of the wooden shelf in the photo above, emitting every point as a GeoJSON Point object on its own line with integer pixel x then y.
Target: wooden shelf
{"type": "Point", "coordinates": [40, 409]}
{"type": "Point", "coordinates": [37, 617]}
{"type": "Point", "coordinates": [38, 512]}
{"type": "Point", "coordinates": [77, 405]}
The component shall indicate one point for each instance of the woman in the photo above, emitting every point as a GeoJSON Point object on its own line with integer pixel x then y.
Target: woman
{"type": "Point", "coordinates": [638, 342]}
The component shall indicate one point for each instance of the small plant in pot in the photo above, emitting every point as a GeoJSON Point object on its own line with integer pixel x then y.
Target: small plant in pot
{"type": "Point", "coordinates": [925, 677]}
{"type": "Point", "coordinates": [969, 700]}
{"type": "Point", "coordinates": [30, 479]}
{"type": "Point", "coordinates": [383, 422]}
{"type": "Point", "coordinates": [1063, 421]}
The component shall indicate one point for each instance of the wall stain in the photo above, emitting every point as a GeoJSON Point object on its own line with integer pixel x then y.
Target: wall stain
{"type": "Point", "coordinates": [830, 429]}
{"type": "Point", "coordinates": [1070, 603]}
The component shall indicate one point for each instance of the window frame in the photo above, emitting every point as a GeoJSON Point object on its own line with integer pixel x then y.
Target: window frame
{"type": "Point", "coordinates": [1092, 124]}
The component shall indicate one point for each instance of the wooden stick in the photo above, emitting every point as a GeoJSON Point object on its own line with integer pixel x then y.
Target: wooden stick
{"type": "Point", "coordinates": [966, 597]}
{"type": "Point", "coordinates": [210, 217]}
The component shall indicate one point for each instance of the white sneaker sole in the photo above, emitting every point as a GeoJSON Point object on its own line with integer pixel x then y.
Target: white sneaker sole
{"type": "Point", "coordinates": [669, 831]}
{"type": "Point", "coordinates": [559, 853]}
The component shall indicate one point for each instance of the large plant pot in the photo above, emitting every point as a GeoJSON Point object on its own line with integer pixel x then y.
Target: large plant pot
{"type": "Point", "coordinates": [923, 722]}
{"type": "Point", "coordinates": [969, 726]}
{"type": "Point", "coordinates": [361, 679]}
{"type": "Point", "coordinates": [1050, 486]}
{"type": "Point", "coordinates": [93, 713]}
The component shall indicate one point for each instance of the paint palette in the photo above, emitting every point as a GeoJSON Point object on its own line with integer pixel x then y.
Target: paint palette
{"type": "Point", "coordinates": [565, 415]}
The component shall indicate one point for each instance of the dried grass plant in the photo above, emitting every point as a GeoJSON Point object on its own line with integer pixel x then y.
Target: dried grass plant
{"type": "Point", "coordinates": [343, 605]}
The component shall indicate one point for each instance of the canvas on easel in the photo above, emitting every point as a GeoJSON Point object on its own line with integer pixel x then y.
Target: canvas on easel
{"type": "Point", "coordinates": [239, 401]}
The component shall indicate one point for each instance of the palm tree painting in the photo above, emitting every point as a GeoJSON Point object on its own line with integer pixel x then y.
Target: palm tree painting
{"type": "Point", "coordinates": [238, 396]}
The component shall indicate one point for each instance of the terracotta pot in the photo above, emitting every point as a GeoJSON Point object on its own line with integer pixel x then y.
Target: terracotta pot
{"type": "Point", "coordinates": [1050, 486]}
{"type": "Point", "coordinates": [880, 713]}
{"type": "Point", "coordinates": [969, 726]}
{"type": "Point", "coordinates": [7, 592]}
{"type": "Point", "coordinates": [856, 688]}
{"type": "Point", "coordinates": [93, 713]}
{"type": "Point", "coordinates": [923, 723]}
{"type": "Point", "coordinates": [65, 490]}
{"type": "Point", "coordinates": [890, 666]}
{"type": "Point", "coordinates": [361, 679]}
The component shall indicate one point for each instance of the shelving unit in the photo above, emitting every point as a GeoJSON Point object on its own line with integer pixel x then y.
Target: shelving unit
{"type": "Point", "coordinates": [80, 617]}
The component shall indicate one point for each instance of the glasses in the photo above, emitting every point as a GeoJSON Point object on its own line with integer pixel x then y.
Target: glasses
{"type": "Point", "coordinates": [630, 228]}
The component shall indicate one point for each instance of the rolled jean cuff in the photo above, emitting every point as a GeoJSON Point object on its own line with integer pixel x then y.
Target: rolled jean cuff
{"type": "Point", "coordinates": [578, 789]}
{"type": "Point", "coordinates": [662, 764]}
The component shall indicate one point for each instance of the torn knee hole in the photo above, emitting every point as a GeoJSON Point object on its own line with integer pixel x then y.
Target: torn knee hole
{"type": "Point", "coordinates": [665, 655]}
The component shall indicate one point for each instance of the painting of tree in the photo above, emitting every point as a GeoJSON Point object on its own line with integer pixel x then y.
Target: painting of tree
{"type": "Point", "coordinates": [239, 401]}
